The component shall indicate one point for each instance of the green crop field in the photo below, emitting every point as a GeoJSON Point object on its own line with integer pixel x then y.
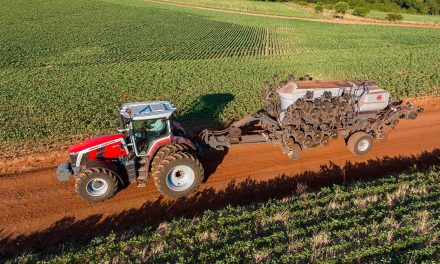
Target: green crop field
{"type": "Point", "coordinates": [394, 219]}
{"type": "Point", "coordinates": [65, 66]}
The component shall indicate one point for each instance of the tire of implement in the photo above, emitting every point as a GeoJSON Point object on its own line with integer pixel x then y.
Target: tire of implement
{"type": "Point", "coordinates": [360, 143]}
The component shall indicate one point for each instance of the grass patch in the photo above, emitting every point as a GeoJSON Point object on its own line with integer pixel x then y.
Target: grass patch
{"type": "Point", "coordinates": [406, 17]}
{"type": "Point", "coordinates": [269, 8]}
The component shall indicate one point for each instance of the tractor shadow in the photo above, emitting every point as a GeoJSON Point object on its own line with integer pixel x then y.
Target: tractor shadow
{"type": "Point", "coordinates": [205, 114]}
{"type": "Point", "coordinates": [71, 231]}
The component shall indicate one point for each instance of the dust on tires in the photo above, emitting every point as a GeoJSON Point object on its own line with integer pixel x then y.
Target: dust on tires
{"type": "Point", "coordinates": [178, 175]}
{"type": "Point", "coordinates": [95, 185]}
{"type": "Point", "coordinates": [360, 143]}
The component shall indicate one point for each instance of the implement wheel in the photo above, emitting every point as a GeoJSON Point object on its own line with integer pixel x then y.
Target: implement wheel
{"type": "Point", "coordinates": [178, 175]}
{"type": "Point", "coordinates": [95, 185]}
{"type": "Point", "coordinates": [294, 150]}
{"type": "Point", "coordinates": [360, 143]}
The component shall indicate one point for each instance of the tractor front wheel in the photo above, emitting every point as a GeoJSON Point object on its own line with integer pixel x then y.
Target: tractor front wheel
{"type": "Point", "coordinates": [178, 175]}
{"type": "Point", "coordinates": [95, 185]}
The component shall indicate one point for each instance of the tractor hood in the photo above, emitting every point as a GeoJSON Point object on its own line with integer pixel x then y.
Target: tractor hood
{"type": "Point", "coordinates": [92, 142]}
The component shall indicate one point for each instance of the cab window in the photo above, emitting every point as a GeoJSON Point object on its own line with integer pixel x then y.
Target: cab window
{"type": "Point", "coordinates": [146, 132]}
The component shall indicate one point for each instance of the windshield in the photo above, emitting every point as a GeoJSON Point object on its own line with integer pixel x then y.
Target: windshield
{"type": "Point", "coordinates": [148, 131]}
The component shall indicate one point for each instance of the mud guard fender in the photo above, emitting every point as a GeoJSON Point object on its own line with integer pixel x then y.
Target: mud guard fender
{"type": "Point", "coordinates": [184, 141]}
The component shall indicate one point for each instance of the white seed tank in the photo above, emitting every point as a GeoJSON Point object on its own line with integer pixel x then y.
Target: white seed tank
{"type": "Point", "coordinates": [367, 95]}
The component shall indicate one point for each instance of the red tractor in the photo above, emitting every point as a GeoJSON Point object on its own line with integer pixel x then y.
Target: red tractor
{"type": "Point", "coordinates": [149, 142]}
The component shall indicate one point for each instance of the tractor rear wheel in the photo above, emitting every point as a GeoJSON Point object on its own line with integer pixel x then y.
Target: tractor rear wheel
{"type": "Point", "coordinates": [95, 185]}
{"type": "Point", "coordinates": [178, 175]}
{"type": "Point", "coordinates": [360, 143]}
{"type": "Point", "coordinates": [164, 152]}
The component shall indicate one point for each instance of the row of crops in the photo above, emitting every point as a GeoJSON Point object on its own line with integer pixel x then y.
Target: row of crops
{"type": "Point", "coordinates": [157, 37]}
{"type": "Point", "coordinates": [65, 66]}
{"type": "Point", "coordinates": [394, 219]}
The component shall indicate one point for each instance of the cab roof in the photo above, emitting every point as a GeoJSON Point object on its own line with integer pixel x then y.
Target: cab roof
{"type": "Point", "coordinates": [147, 110]}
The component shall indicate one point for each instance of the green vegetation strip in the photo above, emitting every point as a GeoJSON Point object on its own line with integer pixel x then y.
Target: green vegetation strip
{"type": "Point", "coordinates": [406, 17]}
{"type": "Point", "coordinates": [65, 66]}
{"type": "Point", "coordinates": [269, 8]}
{"type": "Point", "coordinates": [391, 219]}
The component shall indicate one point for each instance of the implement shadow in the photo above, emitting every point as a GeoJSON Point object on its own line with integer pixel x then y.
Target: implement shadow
{"type": "Point", "coordinates": [248, 191]}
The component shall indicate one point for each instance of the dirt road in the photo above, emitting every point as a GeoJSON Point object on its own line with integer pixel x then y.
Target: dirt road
{"type": "Point", "coordinates": [37, 210]}
{"type": "Point", "coordinates": [345, 21]}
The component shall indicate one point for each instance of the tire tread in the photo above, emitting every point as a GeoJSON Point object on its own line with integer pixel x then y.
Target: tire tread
{"type": "Point", "coordinates": [353, 140]}
{"type": "Point", "coordinates": [159, 175]}
{"type": "Point", "coordinates": [87, 173]}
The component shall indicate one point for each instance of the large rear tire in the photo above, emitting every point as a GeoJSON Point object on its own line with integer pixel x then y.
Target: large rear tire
{"type": "Point", "coordinates": [96, 185]}
{"type": "Point", "coordinates": [178, 175]}
{"type": "Point", "coordinates": [360, 143]}
{"type": "Point", "coordinates": [165, 151]}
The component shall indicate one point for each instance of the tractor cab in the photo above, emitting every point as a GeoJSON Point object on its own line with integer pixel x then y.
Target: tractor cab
{"type": "Point", "coordinates": [149, 143]}
{"type": "Point", "coordinates": [146, 123]}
